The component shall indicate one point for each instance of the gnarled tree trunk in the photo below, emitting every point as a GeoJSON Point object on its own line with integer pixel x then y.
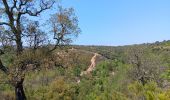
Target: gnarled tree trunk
{"type": "Point", "coordinates": [19, 44]}
{"type": "Point", "coordinates": [19, 91]}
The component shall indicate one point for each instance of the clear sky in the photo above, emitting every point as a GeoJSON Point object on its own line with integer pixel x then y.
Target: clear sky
{"type": "Point", "coordinates": [121, 22]}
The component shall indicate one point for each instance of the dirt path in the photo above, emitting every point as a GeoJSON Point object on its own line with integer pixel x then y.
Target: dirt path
{"type": "Point", "coordinates": [92, 66]}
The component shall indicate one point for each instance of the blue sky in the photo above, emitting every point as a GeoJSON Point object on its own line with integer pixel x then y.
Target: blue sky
{"type": "Point", "coordinates": [121, 22]}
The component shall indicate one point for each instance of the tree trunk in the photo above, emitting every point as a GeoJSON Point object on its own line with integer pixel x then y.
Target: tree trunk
{"type": "Point", "coordinates": [19, 44]}
{"type": "Point", "coordinates": [19, 92]}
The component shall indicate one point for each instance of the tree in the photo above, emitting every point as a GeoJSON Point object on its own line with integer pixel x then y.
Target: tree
{"type": "Point", "coordinates": [6, 38]}
{"type": "Point", "coordinates": [12, 12]}
{"type": "Point", "coordinates": [64, 26]}
{"type": "Point", "coordinates": [35, 36]}
{"type": "Point", "coordinates": [146, 67]}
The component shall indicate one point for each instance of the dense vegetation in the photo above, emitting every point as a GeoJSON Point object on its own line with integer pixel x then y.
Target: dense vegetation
{"type": "Point", "coordinates": [35, 66]}
{"type": "Point", "coordinates": [139, 72]}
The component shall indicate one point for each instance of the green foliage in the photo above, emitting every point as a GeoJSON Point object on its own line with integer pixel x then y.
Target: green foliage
{"type": "Point", "coordinates": [149, 91]}
{"type": "Point", "coordinates": [101, 84]}
{"type": "Point", "coordinates": [60, 90]}
{"type": "Point", "coordinates": [58, 79]}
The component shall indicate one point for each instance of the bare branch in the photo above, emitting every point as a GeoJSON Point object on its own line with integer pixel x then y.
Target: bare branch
{"type": "Point", "coordinates": [6, 5]}
{"type": "Point", "coordinates": [4, 23]}
{"type": "Point", "coordinates": [43, 7]}
{"type": "Point", "coordinates": [3, 68]}
{"type": "Point", "coordinates": [14, 5]}
{"type": "Point", "coordinates": [9, 13]}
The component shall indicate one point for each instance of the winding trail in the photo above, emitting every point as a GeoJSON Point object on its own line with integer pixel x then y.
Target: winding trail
{"type": "Point", "coordinates": [92, 66]}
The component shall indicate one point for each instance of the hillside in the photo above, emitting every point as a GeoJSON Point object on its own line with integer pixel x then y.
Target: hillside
{"type": "Point", "coordinates": [97, 73]}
